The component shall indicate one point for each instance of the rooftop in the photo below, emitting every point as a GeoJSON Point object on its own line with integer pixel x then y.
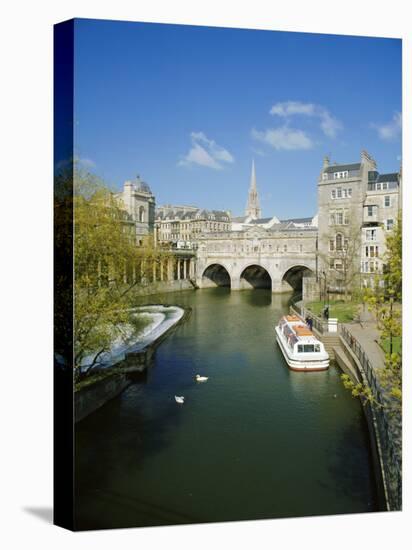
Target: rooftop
{"type": "Point", "coordinates": [342, 168]}
{"type": "Point", "coordinates": [388, 177]}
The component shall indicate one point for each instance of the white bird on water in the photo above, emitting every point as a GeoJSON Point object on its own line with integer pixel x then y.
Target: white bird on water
{"type": "Point", "coordinates": [179, 399]}
{"type": "Point", "coordinates": [201, 378]}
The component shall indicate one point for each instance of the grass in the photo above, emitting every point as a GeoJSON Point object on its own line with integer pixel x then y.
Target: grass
{"type": "Point", "coordinates": [344, 312]}
{"type": "Point", "coordinates": [396, 344]}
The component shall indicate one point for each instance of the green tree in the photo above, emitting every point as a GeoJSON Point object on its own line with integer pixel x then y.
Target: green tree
{"type": "Point", "coordinates": [385, 302]}
{"type": "Point", "coordinates": [107, 263]}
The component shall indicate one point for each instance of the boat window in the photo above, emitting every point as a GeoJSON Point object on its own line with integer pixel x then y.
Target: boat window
{"type": "Point", "coordinates": [317, 348]}
{"type": "Point", "coordinates": [300, 348]}
{"type": "Point", "coordinates": [308, 348]}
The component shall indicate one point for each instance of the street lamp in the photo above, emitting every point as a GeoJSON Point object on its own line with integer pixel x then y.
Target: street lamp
{"type": "Point", "coordinates": [324, 289]}
{"type": "Point", "coordinates": [390, 333]}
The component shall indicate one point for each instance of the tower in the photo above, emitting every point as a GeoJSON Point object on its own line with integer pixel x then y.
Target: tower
{"type": "Point", "coordinates": [253, 207]}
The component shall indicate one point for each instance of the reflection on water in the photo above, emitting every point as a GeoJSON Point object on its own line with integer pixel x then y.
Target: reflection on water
{"type": "Point", "coordinates": [256, 441]}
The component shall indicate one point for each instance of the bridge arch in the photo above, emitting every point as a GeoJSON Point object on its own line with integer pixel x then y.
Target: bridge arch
{"type": "Point", "coordinates": [292, 277]}
{"type": "Point", "coordinates": [216, 274]}
{"type": "Point", "coordinates": [255, 276]}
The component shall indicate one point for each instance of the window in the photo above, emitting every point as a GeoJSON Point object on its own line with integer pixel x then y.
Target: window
{"type": "Point", "coordinates": [339, 192]}
{"type": "Point", "coordinates": [339, 218]}
{"type": "Point", "coordinates": [370, 211]}
{"type": "Point", "coordinates": [349, 192]}
{"type": "Point", "coordinates": [141, 214]}
{"type": "Point", "coordinates": [339, 175]}
{"type": "Point", "coordinates": [300, 348]}
{"type": "Point", "coordinates": [380, 186]}
{"type": "Point", "coordinates": [333, 194]}
{"type": "Point", "coordinates": [338, 241]}
{"type": "Point", "coordinates": [346, 218]}
{"type": "Point", "coordinates": [325, 176]}
{"type": "Point", "coordinates": [371, 251]}
{"type": "Point", "coordinates": [371, 234]}
{"type": "Point", "coordinates": [387, 201]}
{"type": "Point", "coordinates": [332, 219]}
{"type": "Point", "coordinates": [338, 265]}
{"type": "Point", "coordinates": [331, 263]}
{"type": "Point", "coordinates": [389, 224]}
{"type": "Point", "coordinates": [331, 245]}
{"type": "Point", "coordinates": [308, 348]}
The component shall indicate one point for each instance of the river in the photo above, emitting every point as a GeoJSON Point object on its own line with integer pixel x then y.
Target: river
{"type": "Point", "coordinates": [255, 441]}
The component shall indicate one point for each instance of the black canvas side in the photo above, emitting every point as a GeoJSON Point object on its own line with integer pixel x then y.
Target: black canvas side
{"type": "Point", "coordinates": [63, 275]}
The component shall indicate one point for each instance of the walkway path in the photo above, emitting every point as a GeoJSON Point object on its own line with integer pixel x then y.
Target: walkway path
{"type": "Point", "coordinates": [367, 334]}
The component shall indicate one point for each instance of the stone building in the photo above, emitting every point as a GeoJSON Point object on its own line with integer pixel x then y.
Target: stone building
{"type": "Point", "coordinates": [357, 207]}
{"type": "Point", "coordinates": [184, 224]}
{"type": "Point", "coordinates": [139, 202]}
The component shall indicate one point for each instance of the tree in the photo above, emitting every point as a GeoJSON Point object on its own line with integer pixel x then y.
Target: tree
{"type": "Point", "coordinates": [384, 299]}
{"type": "Point", "coordinates": [106, 262]}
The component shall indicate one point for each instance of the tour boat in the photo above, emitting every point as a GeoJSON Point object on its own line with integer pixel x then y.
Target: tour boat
{"type": "Point", "coordinates": [301, 349]}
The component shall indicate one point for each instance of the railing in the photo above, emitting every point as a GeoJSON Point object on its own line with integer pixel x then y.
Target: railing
{"type": "Point", "coordinates": [388, 430]}
{"type": "Point", "coordinates": [321, 325]}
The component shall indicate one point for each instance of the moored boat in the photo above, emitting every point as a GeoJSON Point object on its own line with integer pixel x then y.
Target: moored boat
{"type": "Point", "coordinates": [300, 347]}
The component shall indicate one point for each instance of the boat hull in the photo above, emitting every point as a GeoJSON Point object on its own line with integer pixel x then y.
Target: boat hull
{"type": "Point", "coordinates": [302, 364]}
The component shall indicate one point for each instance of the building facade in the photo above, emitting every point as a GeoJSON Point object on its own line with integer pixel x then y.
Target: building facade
{"type": "Point", "coordinates": [183, 225]}
{"type": "Point", "coordinates": [357, 207]}
{"type": "Point", "coordinates": [139, 202]}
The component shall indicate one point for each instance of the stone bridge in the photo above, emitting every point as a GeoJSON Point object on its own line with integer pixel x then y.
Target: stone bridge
{"type": "Point", "coordinates": [257, 259]}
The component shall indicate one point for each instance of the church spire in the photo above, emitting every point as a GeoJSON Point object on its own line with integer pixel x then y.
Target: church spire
{"type": "Point", "coordinates": [253, 207]}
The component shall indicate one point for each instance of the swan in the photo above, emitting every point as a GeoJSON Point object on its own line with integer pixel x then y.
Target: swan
{"type": "Point", "coordinates": [201, 378]}
{"type": "Point", "coordinates": [179, 399]}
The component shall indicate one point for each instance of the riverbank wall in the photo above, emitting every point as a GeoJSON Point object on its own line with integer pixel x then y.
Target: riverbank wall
{"type": "Point", "coordinates": [107, 383]}
{"type": "Point", "coordinates": [160, 287]}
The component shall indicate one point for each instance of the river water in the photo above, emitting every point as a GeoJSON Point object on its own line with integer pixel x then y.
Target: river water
{"type": "Point", "coordinates": [255, 441]}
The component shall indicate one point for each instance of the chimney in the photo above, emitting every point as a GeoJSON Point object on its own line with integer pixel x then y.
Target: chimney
{"type": "Point", "coordinates": [325, 162]}
{"type": "Point", "coordinates": [367, 159]}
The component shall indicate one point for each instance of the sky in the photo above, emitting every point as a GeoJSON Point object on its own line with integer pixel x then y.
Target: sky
{"type": "Point", "coordinates": [188, 108]}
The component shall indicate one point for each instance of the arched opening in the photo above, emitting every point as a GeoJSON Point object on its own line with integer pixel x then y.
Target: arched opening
{"type": "Point", "coordinates": [255, 276]}
{"type": "Point", "coordinates": [141, 214]}
{"type": "Point", "coordinates": [215, 275]}
{"type": "Point", "coordinates": [292, 279]}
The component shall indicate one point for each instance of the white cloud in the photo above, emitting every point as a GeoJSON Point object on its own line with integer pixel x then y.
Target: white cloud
{"type": "Point", "coordinates": [328, 123]}
{"type": "Point", "coordinates": [288, 108]}
{"type": "Point", "coordinates": [284, 137]}
{"type": "Point", "coordinates": [392, 129]}
{"type": "Point", "coordinates": [206, 152]}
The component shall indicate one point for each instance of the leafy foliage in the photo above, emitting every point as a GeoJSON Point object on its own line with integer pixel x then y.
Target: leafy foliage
{"type": "Point", "coordinates": [384, 300]}
{"type": "Point", "coordinates": [107, 267]}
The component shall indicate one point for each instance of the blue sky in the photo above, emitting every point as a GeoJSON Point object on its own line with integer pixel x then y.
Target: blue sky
{"type": "Point", "coordinates": [188, 108]}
